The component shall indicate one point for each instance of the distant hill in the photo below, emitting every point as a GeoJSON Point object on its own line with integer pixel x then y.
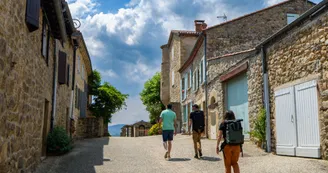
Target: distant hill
{"type": "Point", "coordinates": [115, 130]}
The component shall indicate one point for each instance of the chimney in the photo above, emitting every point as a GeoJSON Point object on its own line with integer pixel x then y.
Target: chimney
{"type": "Point", "coordinates": [200, 25]}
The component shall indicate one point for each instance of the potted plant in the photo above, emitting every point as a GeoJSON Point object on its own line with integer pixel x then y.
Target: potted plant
{"type": "Point", "coordinates": [259, 129]}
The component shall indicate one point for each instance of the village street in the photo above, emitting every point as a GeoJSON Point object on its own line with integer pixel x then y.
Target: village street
{"type": "Point", "coordinates": [145, 154]}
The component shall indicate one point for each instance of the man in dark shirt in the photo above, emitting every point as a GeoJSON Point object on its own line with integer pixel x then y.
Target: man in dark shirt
{"type": "Point", "coordinates": [196, 120]}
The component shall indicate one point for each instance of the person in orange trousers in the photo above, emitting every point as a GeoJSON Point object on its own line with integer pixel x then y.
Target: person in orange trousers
{"type": "Point", "coordinates": [230, 152]}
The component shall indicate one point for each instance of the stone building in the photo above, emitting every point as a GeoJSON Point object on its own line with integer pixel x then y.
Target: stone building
{"type": "Point", "coordinates": [175, 53]}
{"type": "Point", "coordinates": [232, 81]}
{"type": "Point", "coordinates": [138, 129]}
{"type": "Point", "coordinates": [37, 48]}
{"type": "Point", "coordinates": [295, 61]}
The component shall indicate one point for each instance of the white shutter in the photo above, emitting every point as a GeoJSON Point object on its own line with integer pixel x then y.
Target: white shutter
{"type": "Point", "coordinates": [190, 78]}
{"type": "Point", "coordinates": [172, 52]}
{"type": "Point", "coordinates": [193, 81]}
{"type": "Point", "coordinates": [181, 94]}
{"type": "Point", "coordinates": [186, 85]}
{"type": "Point", "coordinates": [204, 72]}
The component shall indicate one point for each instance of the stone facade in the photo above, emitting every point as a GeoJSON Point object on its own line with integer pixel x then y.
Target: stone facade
{"type": "Point", "coordinates": [232, 43]}
{"type": "Point", "coordinates": [26, 79]}
{"type": "Point", "coordinates": [138, 129]}
{"type": "Point", "coordinates": [247, 31]}
{"type": "Point", "coordinates": [300, 55]}
{"type": "Point", "coordinates": [216, 88]}
{"type": "Point", "coordinates": [90, 127]}
{"type": "Point", "coordinates": [174, 55]}
{"type": "Point", "coordinates": [26, 84]}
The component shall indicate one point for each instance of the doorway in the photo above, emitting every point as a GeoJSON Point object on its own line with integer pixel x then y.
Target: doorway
{"type": "Point", "coordinates": [45, 127]}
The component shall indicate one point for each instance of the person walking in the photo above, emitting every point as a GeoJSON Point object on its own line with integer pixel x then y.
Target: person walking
{"type": "Point", "coordinates": [231, 146]}
{"type": "Point", "coordinates": [168, 118]}
{"type": "Point", "coordinates": [197, 121]}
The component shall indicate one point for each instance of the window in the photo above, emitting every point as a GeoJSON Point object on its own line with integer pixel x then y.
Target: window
{"type": "Point", "coordinates": [82, 73]}
{"type": "Point", "coordinates": [172, 78]}
{"type": "Point", "coordinates": [194, 81]}
{"type": "Point", "coordinates": [62, 68]}
{"type": "Point", "coordinates": [198, 78]}
{"type": "Point", "coordinates": [78, 64]}
{"type": "Point", "coordinates": [291, 17]}
{"type": "Point", "coordinates": [45, 40]}
{"type": "Point", "coordinates": [201, 71]}
{"type": "Point", "coordinates": [183, 89]}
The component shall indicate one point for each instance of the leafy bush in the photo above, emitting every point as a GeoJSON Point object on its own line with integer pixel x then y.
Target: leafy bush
{"type": "Point", "coordinates": [58, 141]}
{"type": "Point", "coordinates": [154, 130]}
{"type": "Point", "coordinates": [259, 129]}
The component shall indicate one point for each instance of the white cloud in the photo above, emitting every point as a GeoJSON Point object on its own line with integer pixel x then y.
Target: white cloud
{"type": "Point", "coordinates": [272, 2]}
{"type": "Point", "coordinates": [135, 111]}
{"type": "Point", "coordinates": [139, 72]}
{"type": "Point", "coordinates": [108, 73]}
{"type": "Point", "coordinates": [81, 7]}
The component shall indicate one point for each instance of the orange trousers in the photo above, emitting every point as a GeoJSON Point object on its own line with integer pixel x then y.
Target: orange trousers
{"type": "Point", "coordinates": [231, 157]}
{"type": "Point", "coordinates": [196, 138]}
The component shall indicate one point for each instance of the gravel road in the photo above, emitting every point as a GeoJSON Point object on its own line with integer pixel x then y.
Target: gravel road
{"type": "Point", "coordinates": [146, 154]}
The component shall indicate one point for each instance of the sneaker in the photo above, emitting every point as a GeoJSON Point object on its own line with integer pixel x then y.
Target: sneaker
{"type": "Point", "coordinates": [200, 153]}
{"type": "Point", "coordinates": [196, 156]}
{"type": "Point", "coordinates": [168, 157]}
{"type": "Point", "coordinates": [165, 145]}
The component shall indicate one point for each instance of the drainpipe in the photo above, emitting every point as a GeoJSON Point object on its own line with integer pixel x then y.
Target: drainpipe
{"type": "Point", "coordinates": [266, 99]}
{"type": "Point", "coordinates": [54, 92]}
{"type": "Point", "coordinates": [205, 68]}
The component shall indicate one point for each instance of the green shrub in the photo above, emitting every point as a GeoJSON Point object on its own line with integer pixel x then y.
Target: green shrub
{"type": "Point", "coordinates": [58, 141]}
{"type": "Point", "coordinates": [259, 128]}
{"type": "Point", "coordinates": [154, 130]}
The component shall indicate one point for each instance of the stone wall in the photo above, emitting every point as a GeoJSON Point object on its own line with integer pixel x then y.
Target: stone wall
{"type": "Point", "coordinates": [90, 127]}
{"type": "Point", "coordinates": [175, 66]}
{"type": "Point", "coordinates": [298, 54]}
{"type": "Point", "coordinates": [25, 88]}
{"type": "Point", "coordinates": [220, 66]}
{"type": "Point", "coordinates": [165, 76]}
{"type": "Point", "coordinates": [246, 32]}
{"type": "Point", "coordinates": [64, 91]}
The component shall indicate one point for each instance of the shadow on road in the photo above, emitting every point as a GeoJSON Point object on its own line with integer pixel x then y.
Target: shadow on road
{"type": "Point", "coordinates": [179, 159]}
{"type": "Point", "coordinates": [211, 159]}
{"type": "Point", "coordinates": [85, 155]}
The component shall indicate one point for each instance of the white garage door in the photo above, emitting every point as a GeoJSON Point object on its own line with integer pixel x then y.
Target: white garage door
{"type": "Point", "coordinates": [297, 121]}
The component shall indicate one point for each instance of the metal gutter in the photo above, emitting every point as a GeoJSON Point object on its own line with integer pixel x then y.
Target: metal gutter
{"type": "Point", "coordinates": [266, 100]}
{"type": "Point", "coordinates": [54, 87]}
{"type": "Point", "coordinates": [206, 102]}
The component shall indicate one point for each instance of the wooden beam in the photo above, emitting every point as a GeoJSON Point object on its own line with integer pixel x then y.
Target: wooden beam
{"type": "Point", "coordinates": [234, 72]}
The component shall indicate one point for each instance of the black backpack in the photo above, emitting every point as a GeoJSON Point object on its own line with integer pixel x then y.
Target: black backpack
{"type": "Point", "coordinates": [198, 121]}
{"type": "Point", "coordinates": [234, 132]}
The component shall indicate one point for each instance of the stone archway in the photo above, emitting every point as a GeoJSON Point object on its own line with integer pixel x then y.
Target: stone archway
{"type": "Point", "coordinates": [213, 115]}
{"type": "Point", "coordinates": [142, 130]}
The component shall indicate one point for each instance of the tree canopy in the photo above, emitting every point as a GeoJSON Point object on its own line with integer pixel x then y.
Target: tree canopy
{"type": "Point", "coordinates": [107, 100]}
{"type": "Point", "coordinates": [150, 97]}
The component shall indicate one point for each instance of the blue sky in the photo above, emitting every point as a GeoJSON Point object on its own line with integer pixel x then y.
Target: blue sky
{"type": "Point", "coordinates": [124, 37]}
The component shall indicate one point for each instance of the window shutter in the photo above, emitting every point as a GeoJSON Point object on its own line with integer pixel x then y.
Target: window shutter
{"type": "Point", "coordinates": [204, 72]}
{"type": "Point", "coordinates": [186, 84]}
{"type": "Point", "coordinates": [190, 78]}
{"type": "Point", "coordinates": [44, 39]}
{"type": "Point", "coordinates": [67, 75]}
{"type": "Point", "coordinates": [32, 14]}
{"type": "Point", "coordinates": [76, 97]}
{"type": "Point", "coordinates": [181, 94]}
{"type": "Point", "coordinates": [62, 67]}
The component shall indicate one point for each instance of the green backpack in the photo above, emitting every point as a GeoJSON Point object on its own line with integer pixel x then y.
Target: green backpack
{"type": "Point", "coordinates": [234, 132]}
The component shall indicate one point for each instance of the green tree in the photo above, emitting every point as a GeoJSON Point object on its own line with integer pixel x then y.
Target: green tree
{"type": "Point", "coordinates": [150, 97]}
{"type": "Point", "coordinates": [107, 100]}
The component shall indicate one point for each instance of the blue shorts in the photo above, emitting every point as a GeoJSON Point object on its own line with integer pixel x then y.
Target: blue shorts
{"type": "Point", "coordinates": [167, 135]}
